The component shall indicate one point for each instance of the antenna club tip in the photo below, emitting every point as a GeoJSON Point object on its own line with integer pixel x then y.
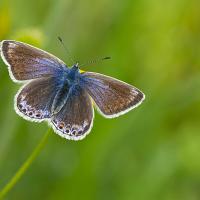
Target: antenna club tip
{"type": "Point", "coordinates": [60, 38]}
{"type": "Point", "coordinates": [106, 58]}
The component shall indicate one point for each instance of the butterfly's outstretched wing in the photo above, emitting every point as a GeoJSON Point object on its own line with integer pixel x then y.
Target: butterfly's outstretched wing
{"type": "Point", "coordinates": [111, 96]}
{"type": "Point", "coordinates": [74, 121]}
{"type": "Point", "coordinates": [34, 100]}
{"type": "Point", "coordinates": [26, 62]}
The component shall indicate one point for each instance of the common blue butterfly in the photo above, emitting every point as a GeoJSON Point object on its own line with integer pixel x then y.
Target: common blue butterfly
{"type": "Point", "coordinates": [61, 95]}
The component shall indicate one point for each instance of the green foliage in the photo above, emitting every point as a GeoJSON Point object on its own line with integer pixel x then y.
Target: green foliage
{"type": "Point", "coordinates": [151, 153]}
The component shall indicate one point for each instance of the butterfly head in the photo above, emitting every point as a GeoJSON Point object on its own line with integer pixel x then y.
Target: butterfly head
{"type": "Point", "coordinates": [75, 68]}
{"type": "Point", "coordinates": [73, 73]}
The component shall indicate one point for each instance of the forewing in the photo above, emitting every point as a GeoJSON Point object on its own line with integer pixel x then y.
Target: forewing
{"type": "Point", "coordinates": [34, 100]}
{"type": "Point", "coordinates": [75, 119]}
{"type": "Point", "coordinates": [27, 62]}
{"type": "Point", "coordinates": [111, 96]}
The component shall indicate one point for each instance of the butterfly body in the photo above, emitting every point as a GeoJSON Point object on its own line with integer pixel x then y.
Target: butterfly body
{"type": "Point", "coordinates": [68, 80]}
{"type": "Point", "coordinates": [61, 95]}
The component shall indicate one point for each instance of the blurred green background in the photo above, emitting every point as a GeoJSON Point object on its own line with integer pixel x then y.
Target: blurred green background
{"type": "Point", "coordinates": [151, 153]}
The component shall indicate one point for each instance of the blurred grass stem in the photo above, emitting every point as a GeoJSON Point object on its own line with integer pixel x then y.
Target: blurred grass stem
{"type": "Point", "coordinates": [24, 166]}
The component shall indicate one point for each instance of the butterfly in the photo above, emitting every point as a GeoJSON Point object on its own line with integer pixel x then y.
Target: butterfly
{"type": "Point", "coordinates": [63, 96]}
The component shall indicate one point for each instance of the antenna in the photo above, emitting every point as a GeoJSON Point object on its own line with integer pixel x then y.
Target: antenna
{"type": "Point", "coordinates": [66, 49]}
{"type": "Point", "coordinates": [96, 61]}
